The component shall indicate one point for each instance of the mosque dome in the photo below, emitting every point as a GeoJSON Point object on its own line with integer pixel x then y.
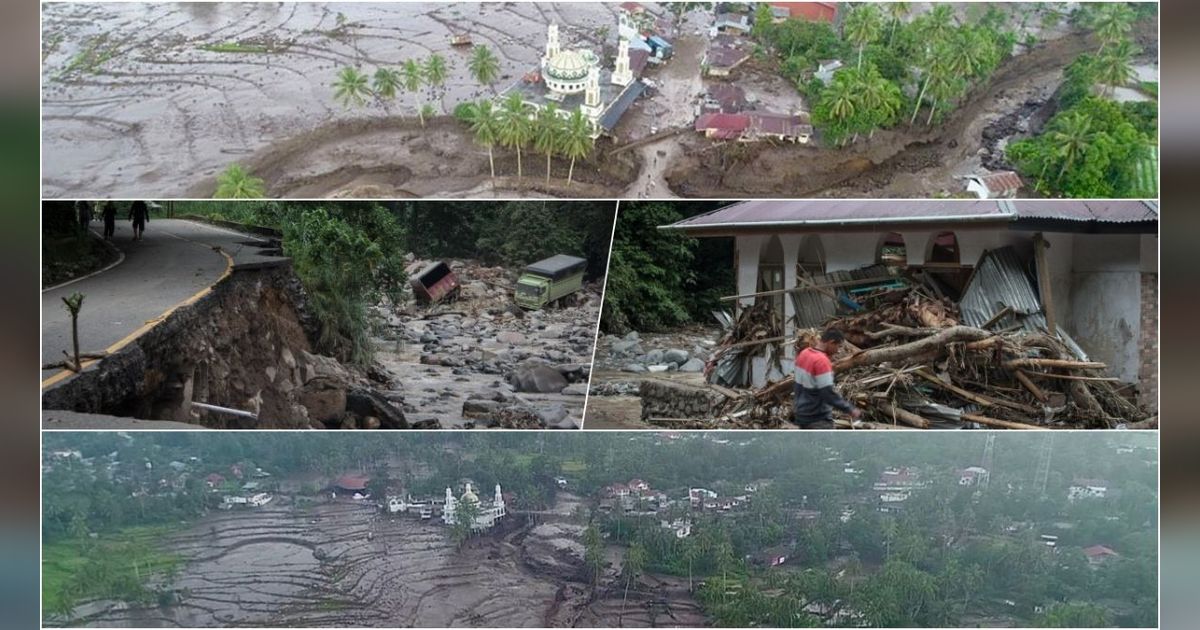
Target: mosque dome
{"type": "Point", "coordinates": [571, 65]}
{"type": "Point", "coordinates": [469, 495]}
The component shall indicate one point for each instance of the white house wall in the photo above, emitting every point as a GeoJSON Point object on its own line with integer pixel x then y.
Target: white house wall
{"type": "Point", "coordinates": [1106, 295]}
{"type": "Point", "coordinates": [1094, 278]}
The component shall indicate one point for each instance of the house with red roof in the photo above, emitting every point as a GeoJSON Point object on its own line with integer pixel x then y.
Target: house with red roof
{"type": "Point", "coordinates": [351, 485]}
{"type": "Point", "coordinates": [1100, 260]}
{"type": "Point", "coordinates": [1099, 554]}
{"type": "Point", "coordinates": [808, 11]}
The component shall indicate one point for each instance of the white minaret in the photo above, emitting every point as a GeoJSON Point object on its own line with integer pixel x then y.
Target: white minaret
{"type": "Point", "coordinates": [591, 94]}
{"type": "Point", "coordinates": [498, 502]}
{"type": "Point", "coordinates": [622, 74]}
{"type": "Point", "coordinates": [448, 511]}
{"type": "Point", "coordinates": [552, 45]}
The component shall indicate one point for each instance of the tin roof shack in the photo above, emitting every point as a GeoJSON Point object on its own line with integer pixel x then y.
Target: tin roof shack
{"type": "Point", "coordinates": [1092, 264]}
{"type": "Point", "coordinates": [809, 11]}
{"type": "Point", "coordinates": [433, 282]}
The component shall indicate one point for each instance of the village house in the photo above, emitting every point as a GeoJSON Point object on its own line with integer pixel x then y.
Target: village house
{"type": "Point", "coordinates": [1098, 261]}
{"type": "Point", "coordinates": [808, 11]}
{"type": "Point", "coordinates": [354, 486]}
{"type": "Point", "coordinates": [996, 185]}
{"type": "Point", "coordinates": [1087, 489]}
{"type": "Point", "coordinates": [754, 126]}
{"type": "Point", "coordinates": [724, 54]}
{"type": "Point", "coordinates": [971, 475]}
{"type": "Point", "coordinates": [1099, 554]}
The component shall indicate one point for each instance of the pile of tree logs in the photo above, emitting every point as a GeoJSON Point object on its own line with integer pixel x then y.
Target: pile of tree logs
{"type": "Point", "coordinates": [910, 363]}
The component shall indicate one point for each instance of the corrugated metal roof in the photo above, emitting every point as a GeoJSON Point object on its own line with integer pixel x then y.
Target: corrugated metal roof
{"type": "Point", "coordinates": [1001, 279]}
{"type": "Point", "coordinates": [768, 213]}
{"type": "Point", "coordinates": [762, 213]}
{"type": "Point", "coordinates": [622, 104]}
{"type": "Point", "coordinates": [1104, 210]}
{"type": "Point", "coordinates": [814, 308]}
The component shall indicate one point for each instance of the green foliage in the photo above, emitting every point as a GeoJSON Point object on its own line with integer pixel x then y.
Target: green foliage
{"type": "Point", "coordinates": [484, 66]}
{"type": "Point", "coordinates": [1091, 150]}
{"type": "Point", "coordinates": [350, 87]}
{"type": "Point", "coordinates": [465, 513]}
{"type": "Point", "coordinates": [116, 566]}
{"type": "Point", "coordinates": [346, 261]}
{"type": "Point", "coordinates": [384, 83]}
{"type": "Point", "coordinates": [1073, 616]}
{"type": "Point", "coordinates": [235, 182]}
{"type": "Point", "coordinates": [650, 273]}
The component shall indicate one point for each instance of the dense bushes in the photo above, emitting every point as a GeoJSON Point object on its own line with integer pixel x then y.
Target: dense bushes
{"type": "Point", "coordinates": [662, 279]}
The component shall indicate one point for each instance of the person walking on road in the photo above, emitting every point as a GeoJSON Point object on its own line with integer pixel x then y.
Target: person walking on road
{"type": "Point", "coordinates": [815, 396]}
{"type": "Point", "coordinates": [84, 210]}
{"type": "Point", "coordinates": [139, 214]}
{"type": "Point", "coordinates": [109, 214]}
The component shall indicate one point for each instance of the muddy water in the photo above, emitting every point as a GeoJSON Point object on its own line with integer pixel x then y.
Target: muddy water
{"type": "Point", "coordinates": [134, 103]}
{"type": "Point", "coordinates": [345, 563]}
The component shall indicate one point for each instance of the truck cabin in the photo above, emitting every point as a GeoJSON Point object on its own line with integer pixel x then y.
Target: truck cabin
{"type": "Point", "coordinates": [547, 280]}
{"type": "Point", "coordinates": [434, 283]}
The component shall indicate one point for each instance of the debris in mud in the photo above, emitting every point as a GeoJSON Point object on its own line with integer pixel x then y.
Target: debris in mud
{"type": "Point", "coordinates": [476, 359]}
{"type": "Point", "coordinates": [915, 357]}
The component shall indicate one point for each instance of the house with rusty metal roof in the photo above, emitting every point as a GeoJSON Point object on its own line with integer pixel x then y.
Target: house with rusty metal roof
{"type": "Point", "coordinates": [1086, 271]}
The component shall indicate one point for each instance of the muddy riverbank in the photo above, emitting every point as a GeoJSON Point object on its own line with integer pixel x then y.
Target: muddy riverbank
{"type": "Point", "coordinates": [331, 563]}
{"type": "Point", "coordinates": [150, 96]}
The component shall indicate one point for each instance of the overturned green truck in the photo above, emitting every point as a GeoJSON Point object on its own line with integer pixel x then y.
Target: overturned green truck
{"type": "Point", "coordinates": [549, 280]}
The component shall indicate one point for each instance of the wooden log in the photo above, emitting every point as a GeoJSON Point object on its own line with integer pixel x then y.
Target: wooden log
{"type": "Point", "coordinates": [901, 414]}
{"type": "Point", "coordinates": [868, 424]}
{"type": "Point", "coordinates": [1002, 424]}
{"type": "Point", "coordinates": [986, 401]}
{"type": "Point", "coordinates": [1037, 392]}
{"type": "Point", "coordinates": [1072, 377]}
{"type": "Point", "coordinates": [1007, 310]}
{"type": "Point", "coordinates": [933, 343]}
{"type": "Point", "coordinates": [1043, 273]}
{"type": "Point", "coordinates": [1055, 363]}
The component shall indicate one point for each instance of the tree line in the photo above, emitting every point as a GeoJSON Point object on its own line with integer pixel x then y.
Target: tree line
{"type": "Point", "coordinates": [1094, 146]}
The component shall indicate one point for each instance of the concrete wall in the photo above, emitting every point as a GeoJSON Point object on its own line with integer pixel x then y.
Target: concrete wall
{"type": "Point", "coordinates": [1106, 295]}
{"type": "Point", "coordinates": [1095, 279]}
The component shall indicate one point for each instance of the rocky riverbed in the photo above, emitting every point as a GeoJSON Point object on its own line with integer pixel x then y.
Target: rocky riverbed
{"type": "Point", "coordinates": [623, 362]}
{"type": "Point", "coordinates": [480, 361]}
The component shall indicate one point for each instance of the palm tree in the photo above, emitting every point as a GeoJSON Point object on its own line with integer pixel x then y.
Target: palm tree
{"type": "Point", "coordinates": [635, 561]}
{"type": "Point", "coordinates": [235, 183]}
{"type": "Point", "coordinates": [937, 64]}
{"type": "Point", "coordinates": [879, 98]}
{"type": "Point", "coordinates": [970, 52]}
{"type": "Point", "coordinates": [1114, 68]}
{"type": "Point", "coordinates": [577, 140]}
{"type": "Point", "coordinates": [351, 87]}
{"type": "Point", "coordinates": [516, 127]}
{"type": "Point", "coordinates": [412, 77]}
{"type": "Point", "coordinates": [384, 83]}
{"type": "Point", "coordinates": [547, 133]}
{"type": "Point", "coordinates": [897, 11]}
{"type": "Point", "coordinates": [861, 27]}
{"type": "Point", "coordinates": [1112, 22]}
{"type": "Point", "coordinates": [484, 66]}
{"type": "Point", "coordinates": [436, 71]}
{"type": "Point", "coordinates": [841, 99]}
{"type": "Point", "coordinates": [938, 23]}
{"type": "Point", "coordinates": [1071, 139]}
{"type": "Point", "coordinates": [485, 125]}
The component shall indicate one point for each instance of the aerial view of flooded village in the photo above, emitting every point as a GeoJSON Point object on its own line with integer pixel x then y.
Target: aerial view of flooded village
{"type": "Point", "coordinates": [620, 529]}
{"type": "Point", "coordinates": [600, 100]}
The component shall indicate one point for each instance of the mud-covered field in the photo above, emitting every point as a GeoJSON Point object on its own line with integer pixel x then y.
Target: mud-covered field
{"type": "Point", "coordinates": [162, 96]}
{"type": "Point", "coordinates": [480, 361]}
{"type": "Point", "coordinates": [345, 563]}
